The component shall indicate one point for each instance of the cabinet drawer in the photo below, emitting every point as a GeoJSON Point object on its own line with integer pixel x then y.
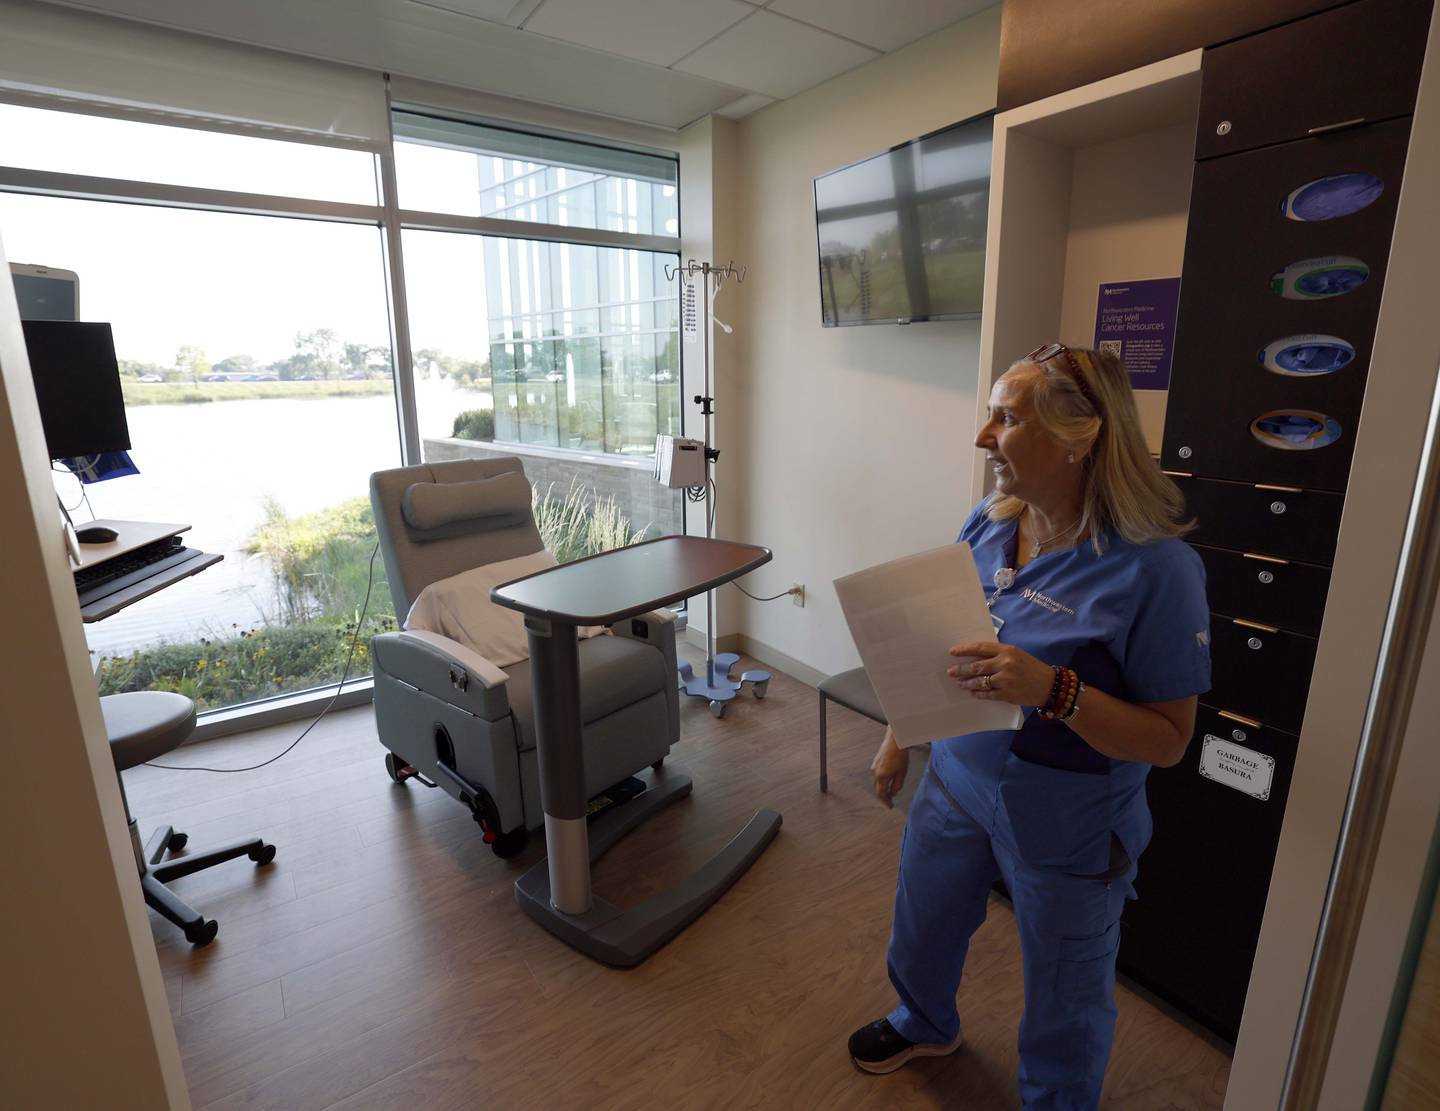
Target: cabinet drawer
{"type": "Point", "coordinates": [1357, 62]}
{"type": "Point", "coordinates": [1244, 351]}
{"type": "Point", "coordinates": [1203, 881]}
{"type": "Point", "coordinates": [1276, 521]}
{"type": "Point", "coordinates": [1272, 591]}
{"type": "Point", "coordinates": [1260, 672]}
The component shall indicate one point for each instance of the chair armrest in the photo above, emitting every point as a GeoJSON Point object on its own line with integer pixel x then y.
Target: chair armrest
{"type": "Point", "coordinates": [477, 665]}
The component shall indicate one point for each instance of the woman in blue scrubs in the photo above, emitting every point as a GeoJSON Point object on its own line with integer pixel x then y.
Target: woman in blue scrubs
{"type": "Point", "coordinates": [1104, 640]}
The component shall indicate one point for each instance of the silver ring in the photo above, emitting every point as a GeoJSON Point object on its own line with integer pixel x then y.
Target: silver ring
{"type": "Point", "coordinates": [986, 683]}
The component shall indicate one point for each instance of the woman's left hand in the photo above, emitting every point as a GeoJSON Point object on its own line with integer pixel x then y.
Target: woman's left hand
{"type": "Point", "coordinates": [1003, 673]}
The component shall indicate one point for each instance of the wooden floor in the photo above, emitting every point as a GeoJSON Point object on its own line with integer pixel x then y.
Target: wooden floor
{"type": "Point", "coordinates": [381, 961]}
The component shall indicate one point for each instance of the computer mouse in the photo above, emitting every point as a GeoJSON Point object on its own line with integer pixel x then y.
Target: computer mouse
{"type": "Point", "coordinates": [96, 534]}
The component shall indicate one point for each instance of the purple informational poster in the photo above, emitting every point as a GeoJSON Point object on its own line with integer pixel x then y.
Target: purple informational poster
{"type": "Point", "coordinates": [1136, 320]}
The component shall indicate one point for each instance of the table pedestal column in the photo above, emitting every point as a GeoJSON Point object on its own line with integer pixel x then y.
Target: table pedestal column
{"type": "Point", "coordinates": [555, 676]}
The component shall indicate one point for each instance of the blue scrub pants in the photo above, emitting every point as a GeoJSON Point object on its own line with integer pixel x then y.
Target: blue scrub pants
{"type": "Point", "coordinates": [1069, 934]}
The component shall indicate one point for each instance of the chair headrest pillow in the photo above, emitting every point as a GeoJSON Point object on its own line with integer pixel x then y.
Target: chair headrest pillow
{"type": "Point", "coordinates": [431, 505]}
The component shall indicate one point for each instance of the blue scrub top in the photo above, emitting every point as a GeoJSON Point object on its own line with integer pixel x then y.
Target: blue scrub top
{"type": "Point", "coordinates": [1133, 622]}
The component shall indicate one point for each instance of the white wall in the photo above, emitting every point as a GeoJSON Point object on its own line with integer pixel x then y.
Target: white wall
{"type": "Point", "coordinates": [850, 445]}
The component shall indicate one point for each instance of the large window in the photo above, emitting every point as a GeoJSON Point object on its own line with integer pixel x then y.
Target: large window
{"type": "Point", "coordinates": [254, 341]}
{"type": "Point", "coordinates": [562, 350]}
{"type": "Point", "coordinates": [258, 382]}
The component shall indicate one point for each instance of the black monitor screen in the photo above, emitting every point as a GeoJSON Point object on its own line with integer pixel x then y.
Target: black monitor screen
{"type": "Point", "coordinates": [77, 382]}
{"type": "Point", "coordinates": [902, 234]}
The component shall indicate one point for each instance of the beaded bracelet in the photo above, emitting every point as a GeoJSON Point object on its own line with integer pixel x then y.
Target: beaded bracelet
{"type": "Point", "coordinates": [1074, 704]}
{"type": "Point", "coordinates": [1064, 700]}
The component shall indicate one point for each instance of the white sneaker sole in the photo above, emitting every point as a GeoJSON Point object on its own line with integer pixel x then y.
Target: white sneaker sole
{"type": "Point", "coordinates": [890, 1064]}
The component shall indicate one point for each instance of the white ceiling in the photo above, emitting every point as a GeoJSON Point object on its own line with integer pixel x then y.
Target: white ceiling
{"type": "Point", "coordinates": [661, 62]}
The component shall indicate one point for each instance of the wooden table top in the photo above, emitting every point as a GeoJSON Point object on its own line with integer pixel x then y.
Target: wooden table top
{"type": "Point", "coordinates": [609, 587]}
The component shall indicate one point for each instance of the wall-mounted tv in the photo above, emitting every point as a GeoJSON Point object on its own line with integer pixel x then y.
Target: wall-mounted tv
{"type": "Point", "coordinates": [902, 234]}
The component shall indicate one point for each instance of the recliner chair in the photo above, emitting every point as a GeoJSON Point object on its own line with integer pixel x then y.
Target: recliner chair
{"type": "Point", "coordinates": [450, 715]}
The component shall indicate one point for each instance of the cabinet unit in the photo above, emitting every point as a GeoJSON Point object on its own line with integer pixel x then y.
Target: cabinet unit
{"type": "Point", "coordinates": [1300, 150]}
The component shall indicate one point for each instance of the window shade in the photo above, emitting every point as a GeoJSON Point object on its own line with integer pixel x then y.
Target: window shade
{"type": "Point", "coordinates": [530, 146]}
{"type": "Point", "coordinates": [54, 57]}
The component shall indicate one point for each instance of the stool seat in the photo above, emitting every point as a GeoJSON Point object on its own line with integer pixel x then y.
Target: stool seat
{"type": "Point", "coordinates": [145, 724]}
{"type": "Point", "coordinates": [852, 690]}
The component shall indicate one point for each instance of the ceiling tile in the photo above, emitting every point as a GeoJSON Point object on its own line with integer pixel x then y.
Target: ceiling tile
{"type": "Point", "coordinates": [657, 31]}
{"type": "Point", "coordinates": [493, 10]}
{"type": "Point", "coordinates": [775, 56]}
{"type": "Point", "coordinates": [883, 26]}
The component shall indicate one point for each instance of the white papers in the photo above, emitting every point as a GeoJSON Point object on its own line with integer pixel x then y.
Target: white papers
{"type": "Point", "coordinates": [905, 616]}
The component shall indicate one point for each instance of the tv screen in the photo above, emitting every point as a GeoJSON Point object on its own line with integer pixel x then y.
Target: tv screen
{"type": "Point", "coordinates": [77, 383]}
{"type": "Point", "coordinates": [902, 234]}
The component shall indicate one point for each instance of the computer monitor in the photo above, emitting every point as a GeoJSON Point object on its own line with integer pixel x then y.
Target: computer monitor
{"type": "Point", "coordinates": [77, 382]}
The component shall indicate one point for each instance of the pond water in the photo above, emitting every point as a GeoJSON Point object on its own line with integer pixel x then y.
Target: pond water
{"type": "Point", "coordinates": [215, 466]}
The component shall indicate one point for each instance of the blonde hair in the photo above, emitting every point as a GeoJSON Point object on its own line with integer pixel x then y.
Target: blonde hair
{"type": "Point", "coordinates": [1125, 490]}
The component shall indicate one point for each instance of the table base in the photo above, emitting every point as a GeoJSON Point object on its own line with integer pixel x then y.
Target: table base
{"type": "Point", "coordinates": [624, 938]}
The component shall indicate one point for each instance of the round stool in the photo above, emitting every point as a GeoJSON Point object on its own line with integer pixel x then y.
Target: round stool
{"type": "Point", "coordinates": [141, 726]}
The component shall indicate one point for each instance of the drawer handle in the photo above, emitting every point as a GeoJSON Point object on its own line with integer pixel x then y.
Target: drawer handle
{"type": "Point", "coordinates": [1280, 489]}
{"type": "Point", "coordinates": [1265, 558]}
{"type": "Point", "coordinates": [1336, 126]}
{"type": "Point", "coordinates": [1251, 722]}
{"type": "Point", "coordinates": [1254, 625]}
{"type": "Point", "coordinates": [1177, 474]}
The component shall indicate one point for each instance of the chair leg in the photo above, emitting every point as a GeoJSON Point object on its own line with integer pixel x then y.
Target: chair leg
{"type": "Point", "coordinates": [198, 931]}
{"type": "Point", "coordinates": [256, 849]}
{"type": "Point", "coordinates": [824, 781]}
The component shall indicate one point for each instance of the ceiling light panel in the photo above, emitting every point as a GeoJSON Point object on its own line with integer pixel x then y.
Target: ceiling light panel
{"type": "Point", "coordinates": [655, 31]}
{"type": "Point", "coordinates": [883, 26]}
{"type": "Point", "coordinates": [775, 56]}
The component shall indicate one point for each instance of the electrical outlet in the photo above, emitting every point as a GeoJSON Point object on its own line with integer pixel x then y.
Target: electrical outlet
{"type": "Point", "coordinates": [797, 595]}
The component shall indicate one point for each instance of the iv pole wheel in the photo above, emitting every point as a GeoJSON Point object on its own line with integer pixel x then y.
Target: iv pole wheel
{"type": "Point", "coordinates": [717, 708]}
{"type": "Point", "coordinates": [761, 687]}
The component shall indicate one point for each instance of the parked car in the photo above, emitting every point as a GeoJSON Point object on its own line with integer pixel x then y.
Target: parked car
{"type": "Point", "coordinates": [150, 378]}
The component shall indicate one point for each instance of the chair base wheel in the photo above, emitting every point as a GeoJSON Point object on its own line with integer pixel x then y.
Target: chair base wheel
{"type": "Point", "coordinates": [393, 767]}
{"type": "Point", "coordinates": [263, 855]}
{"type": "Point", "coordinates": [509, 844]}
{"type": "Point", "coordinates": [203, 933]}
{"type": "Point", "coordinates": [177, 842]}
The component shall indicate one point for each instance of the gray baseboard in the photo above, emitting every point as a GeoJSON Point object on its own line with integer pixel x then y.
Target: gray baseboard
{"type": "Point", "coordinates": [748, 646]}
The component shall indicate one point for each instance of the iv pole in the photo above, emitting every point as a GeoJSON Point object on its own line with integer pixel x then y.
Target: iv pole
{"type": "Point", "coordinates": [716, 684]}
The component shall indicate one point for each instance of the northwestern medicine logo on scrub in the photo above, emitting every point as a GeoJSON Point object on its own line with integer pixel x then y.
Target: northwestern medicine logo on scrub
{"type": "Point", "coordinates": [1045, 601]}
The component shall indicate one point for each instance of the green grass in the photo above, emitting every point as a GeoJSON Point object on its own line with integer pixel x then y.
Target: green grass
{"type": "Point", "coordinates": [185, 393]}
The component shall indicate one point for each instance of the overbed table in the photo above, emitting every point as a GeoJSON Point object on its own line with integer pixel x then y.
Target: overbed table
{"type": "Point", "coordinates": [603, 590]}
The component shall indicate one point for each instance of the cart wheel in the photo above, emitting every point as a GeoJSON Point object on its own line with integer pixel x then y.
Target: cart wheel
{"type": "Point", "coordinates": [761, 688]}
{"type": "Point", "coordinates": [717, 708]}
{"type": "Point", "coordinates": [203, 934]}
{"type": "Point", "coordinates": [177, 842]}
{"type": "Point", "coordinates": [393, 764]}
{"type": "Point", "coordinates": [509, 844]}
{"type": "Point", "coordinates": [263, 855]}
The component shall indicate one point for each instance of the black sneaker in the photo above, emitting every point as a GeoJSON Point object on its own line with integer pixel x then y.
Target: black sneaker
{"type": "Point", "coordinates": [880, 1048]}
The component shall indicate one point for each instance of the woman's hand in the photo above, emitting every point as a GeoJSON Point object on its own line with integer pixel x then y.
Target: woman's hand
{"type": "Point", "coordinates": [888, 768]}
{"type": "Point", "coordinates": [1003, 673]}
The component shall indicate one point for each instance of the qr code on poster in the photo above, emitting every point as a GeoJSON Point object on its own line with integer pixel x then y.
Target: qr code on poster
{"type": "Point", "coordinates": [1112, 346]}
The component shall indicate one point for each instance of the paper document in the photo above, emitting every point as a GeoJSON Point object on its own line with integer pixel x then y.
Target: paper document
{"type": "Point", "coordinates": [905, 616]}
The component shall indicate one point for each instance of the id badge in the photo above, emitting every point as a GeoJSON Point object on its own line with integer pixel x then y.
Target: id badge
{"type": "Point", "coordinates": [997, 621]}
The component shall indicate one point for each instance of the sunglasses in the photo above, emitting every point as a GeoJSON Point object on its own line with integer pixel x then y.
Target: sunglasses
{"type": "Point", "coordinates": [1047, 351]}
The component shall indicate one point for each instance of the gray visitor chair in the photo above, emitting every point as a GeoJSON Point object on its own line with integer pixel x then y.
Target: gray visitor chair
{"type": "Point", "coordinates": [453, 718]}
{"type": "Point", "coordinates": [142, 725]}
{"type": "Point", "coordinates": [852, 690]}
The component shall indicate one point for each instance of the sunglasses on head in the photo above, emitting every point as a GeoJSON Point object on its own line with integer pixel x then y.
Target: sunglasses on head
{"type": "Point", "coordinates": [1047, 351]}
